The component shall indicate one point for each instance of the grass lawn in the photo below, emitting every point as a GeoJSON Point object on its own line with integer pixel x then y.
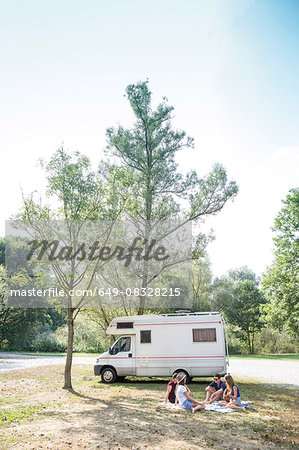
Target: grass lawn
{"type": "Point", "coordinates": [283, 356]}
{"type": "Point", "coordinates": [36, 413]}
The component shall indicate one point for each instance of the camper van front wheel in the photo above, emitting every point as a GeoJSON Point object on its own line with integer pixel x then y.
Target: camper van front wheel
{"type": "Point", "coordinates": [108, 375]}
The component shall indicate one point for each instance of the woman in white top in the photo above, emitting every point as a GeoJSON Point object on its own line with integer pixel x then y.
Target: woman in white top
{"type": "Point", "coordinates": [183, 395]}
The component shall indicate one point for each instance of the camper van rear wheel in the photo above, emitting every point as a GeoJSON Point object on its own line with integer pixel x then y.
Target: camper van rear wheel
{"type": "Point", "coordinates": [108, 375]}
{"type": "Point", "coordinates": [188, 378]}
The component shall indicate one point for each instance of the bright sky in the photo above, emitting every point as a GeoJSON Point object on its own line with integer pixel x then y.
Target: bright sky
{"type": "Point", "coordinates": [229, 67]}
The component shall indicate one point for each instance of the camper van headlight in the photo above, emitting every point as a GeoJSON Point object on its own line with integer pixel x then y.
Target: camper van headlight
{"type": "Point", "coordinates": [98, 359]}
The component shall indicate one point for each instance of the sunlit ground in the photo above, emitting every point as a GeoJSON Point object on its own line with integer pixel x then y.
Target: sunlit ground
{"type": "Point", "coordinates": [36, 413]}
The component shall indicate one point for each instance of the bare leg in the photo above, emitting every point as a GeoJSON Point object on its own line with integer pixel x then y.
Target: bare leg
{"type": "Point", "coordinates": [198, 407]}
{"type": "Point", "coordinates": [223, 403]}
{"type": "Point", "coordinates": [214, 397]}
{"type": "Point", "coordinates": [234, 405]}
{"type": "Point", "coordinates": [210, 392]}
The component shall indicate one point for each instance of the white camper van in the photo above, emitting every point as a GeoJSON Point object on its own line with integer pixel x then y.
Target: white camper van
{"type": "Point", "coordinates": [159, 345]}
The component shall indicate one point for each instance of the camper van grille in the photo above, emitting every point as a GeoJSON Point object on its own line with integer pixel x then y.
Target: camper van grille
{"type": "Point", "coordinates": [124, 325]}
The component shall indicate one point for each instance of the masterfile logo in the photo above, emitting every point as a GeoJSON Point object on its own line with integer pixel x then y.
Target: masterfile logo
{"type": "Point", "coordinates": [55, 251]}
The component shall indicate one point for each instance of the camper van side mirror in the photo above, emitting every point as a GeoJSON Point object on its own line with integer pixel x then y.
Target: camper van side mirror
{"type": "Point", "coordinates": [113, 350]}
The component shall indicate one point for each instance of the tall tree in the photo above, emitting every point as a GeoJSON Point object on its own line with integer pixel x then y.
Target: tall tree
{"type": "Point", "coordinates": [147, 152]}
{"type": "Point", "coordinates": [239, 298]}
{"type": "Point", "coordinates": [83, 198]}
{"type": "Point", "coordinates": [245, 312]}
{"type": "Point", "coordinates": [2, 251]}
{"type": "Point", "coordinates": [202, 284]}
{"type": "Point", "coordinates": [223, 287]}
{"type": "Point", "coordinates": [281, 280]}
{"type": "Point", "coordinates": [17, 324]}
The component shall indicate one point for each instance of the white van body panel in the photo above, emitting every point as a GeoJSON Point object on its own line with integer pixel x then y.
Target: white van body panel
{"type": "Point", "coordinates": [173, 345]}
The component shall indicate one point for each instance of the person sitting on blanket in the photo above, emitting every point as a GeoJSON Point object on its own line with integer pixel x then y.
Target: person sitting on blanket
{"type": "Point", "coordinates": [231, 395]}
{"type": "Point", "coordinates": [215, 390]}
{"type": "Point", "coordinates": [170, 395]}
{"type": "Point", "coordinates": [183, 395]}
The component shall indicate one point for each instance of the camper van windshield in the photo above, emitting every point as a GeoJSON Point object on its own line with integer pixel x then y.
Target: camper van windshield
{"type": "Point", "coordinates": [122, 345]}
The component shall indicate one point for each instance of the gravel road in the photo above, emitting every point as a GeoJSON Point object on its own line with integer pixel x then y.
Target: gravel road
{"type": "Point", "coordinates": [14, 361]}
{"type": "Point", "coordinates": [282, 372]}
{"type": "Point", "coordinates": [275, 371]}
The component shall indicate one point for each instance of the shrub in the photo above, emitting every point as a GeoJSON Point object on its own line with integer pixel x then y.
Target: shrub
{"type": "Point", "coordinates": [47, 342]}
{"type": "Point", "coordinates": [274, 341]}
{"type": "Point", "coordinates": [88, 336]}
{"type": "Point", "coordinates": [235, 346]}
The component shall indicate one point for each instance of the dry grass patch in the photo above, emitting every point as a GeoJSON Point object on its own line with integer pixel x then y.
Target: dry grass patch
{"type": "Point", "coordinates": [124, 415]}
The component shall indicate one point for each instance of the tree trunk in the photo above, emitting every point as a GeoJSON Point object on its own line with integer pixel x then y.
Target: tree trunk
{"type": "Point", "coordinates": [144, 284]}
{"type": "Point", "coordinates": [249, 344]}
{"type": "Point", "coordinates": [142, 298]}
{"type": "Point", "coordinates": [69, 355]}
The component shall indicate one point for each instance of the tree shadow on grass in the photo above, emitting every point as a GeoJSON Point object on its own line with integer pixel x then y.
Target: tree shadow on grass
{"type": "Point", "coordinates": [83, 396]}
{"type": "Point", "coordinates": [149, 383]}
{"type": "Point", "coordinates": [131, 422]}
{"type": "Point", "coordinates": [250, 391]}
{"type": "Point", "coordinates": [126, 420]}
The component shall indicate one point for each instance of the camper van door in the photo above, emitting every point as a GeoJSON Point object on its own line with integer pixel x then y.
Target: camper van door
{"type": "Point", "coordinates": [122, 355]}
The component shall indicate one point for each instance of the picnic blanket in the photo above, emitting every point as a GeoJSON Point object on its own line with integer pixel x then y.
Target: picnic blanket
{"type": "Point", "coordinates": [222, 409]}
{"type": "Point", "coordinates": [212, 407]}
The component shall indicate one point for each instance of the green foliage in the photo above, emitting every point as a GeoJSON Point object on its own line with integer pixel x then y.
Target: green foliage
{"type": "Point", "coordinates": [202, 284]}
{"type": "Point", "coordinates": [281, 281]}
{"type": "Point", "coordinates": [17, 324]}
{"type": "Point", "coordinates": [274, 341]}
{"type": "Point", "coordinates": [158, 191]}
{"type": "Point", "coordinates": [236, 346]}
{"type": "Point", "coordinates": [276, 356]}
{"type": "Point", "coordinates": [47, 341]}
{"type": "Point", "coordinates": [241, 274]}
{"type": "Point", "coordinates": [57, 317]}
{"type": "Point", "coordinates": [148, 152]}
{"type": "Point", "coordinates": [2, 252]}
{"type": "Point", "coordinates": [72, 182]}
{"type": "Point", "coordinates": [81, 192]}
{"type": "Point", "coordinates": [88, 337]}
{"type": "Point", "coordinates": [83, 195]}
{"type": "Point", "coordinates": [239, 299]}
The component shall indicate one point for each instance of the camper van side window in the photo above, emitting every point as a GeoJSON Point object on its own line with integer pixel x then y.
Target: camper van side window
{"type": "Point", "coordinates": [122, 345]}
{"type": "Point", "coordinates": [145, 337]}
{"type": "Point", "coordinates": [204, 334]}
